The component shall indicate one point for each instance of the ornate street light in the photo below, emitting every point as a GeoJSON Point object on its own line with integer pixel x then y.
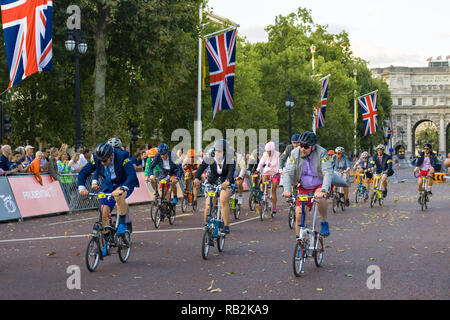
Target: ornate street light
{"type": "Point", "coordinates": [290, 105]}
{"type": "Point", "coordinates": [76, 40]}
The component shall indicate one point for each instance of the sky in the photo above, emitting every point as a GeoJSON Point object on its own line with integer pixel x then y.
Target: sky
{"type": "Point", "coordinates": [382, 32]}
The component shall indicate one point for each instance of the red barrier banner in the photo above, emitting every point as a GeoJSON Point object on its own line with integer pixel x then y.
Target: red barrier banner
{"type": "Point", "coordinates": [34, 199]}
{"type": "Point", "coordinates": [141, 194]}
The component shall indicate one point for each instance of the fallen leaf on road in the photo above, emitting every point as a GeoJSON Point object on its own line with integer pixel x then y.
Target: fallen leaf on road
{"type": "Point", "coordinates": [319, 289]}
{"type": "Point", "coordinates": [414, 248]}
{"type": "Point", "coordinates": [51, 254]}
{"type": "Point", "coordinates": [216, 290]}
{"type": "Point", "coordinates": [210, 287]}
{"type": "Point", "coordinates": [339, 250]}
{"type": "Point", "coordinates": [179, 292]}
{"type": "Point", "coordinates": [138, 277]}
{"type": "Point", "coordinates": [372, 259]}
{"type": "Point", "coordinates": [284, 261]}
{"type": "Point", "coordinates": [348, 275]}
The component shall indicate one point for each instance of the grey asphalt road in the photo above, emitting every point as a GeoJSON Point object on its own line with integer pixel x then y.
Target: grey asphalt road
{"type": "Point", "coordinates": [411, 248]}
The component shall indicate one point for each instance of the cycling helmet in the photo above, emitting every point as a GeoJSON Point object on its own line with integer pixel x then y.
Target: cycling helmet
{"type": "Point", "coordinates": [152, 152]}
{"type": "Point", "coordinates": [270, 146]}
{"type": "Point", "coordinates": [428, 145]}
{"type": "Point", "coordinates": [380, 146]}
{"type": "Point", "coordinates": [365, 154]}
{"type": "Point", "coordinates": [330, 152]}
{"type": "Point", "coordinates": [295, 138]}
{"type": "Point", "coordinates": [104, 151]}
{"type": "Point", "coordinates": [163, 148]}
{"type": "Point", "coordinates": [308, 138]}
{"type": "Point", "coordinates": [339, 150]}
{"type": "Point", "coordinates": [191, 153]}
{"type": "Point", "coordinates": [115, 142]}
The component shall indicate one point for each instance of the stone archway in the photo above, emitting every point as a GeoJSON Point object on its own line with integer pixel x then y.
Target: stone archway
{"type": "Point", "coordinates": [432, 137]}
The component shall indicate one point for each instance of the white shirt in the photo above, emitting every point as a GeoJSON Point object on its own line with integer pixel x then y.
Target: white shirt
{"type": "Point", "coordinates": [166, 164]}
{"type": "Point", "coordinates": [82, 160]}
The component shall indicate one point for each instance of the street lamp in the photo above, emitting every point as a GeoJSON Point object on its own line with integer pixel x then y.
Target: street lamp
{"type": "Point", "coordinates": [290, 105]}
{"type": "Point", "coordinates": [76, 40]}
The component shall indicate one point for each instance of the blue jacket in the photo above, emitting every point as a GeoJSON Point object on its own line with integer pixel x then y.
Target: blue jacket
{"type": "Point", "coordinates": [386, 163]}
{"type": "Point", "coordinates": [124, 170]}
{"type": "Point", "coordinates": [345, 163]}
{"type": "Point", "coordinates": [158, 161]}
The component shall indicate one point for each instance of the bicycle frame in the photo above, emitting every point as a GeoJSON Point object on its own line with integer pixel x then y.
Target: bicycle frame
{"type": "Point", "coordinates": [305, 231]}
{"type": "Point", "coordinates": [214, 222]}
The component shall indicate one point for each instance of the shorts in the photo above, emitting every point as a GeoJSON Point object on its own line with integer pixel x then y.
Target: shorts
{"type": "Point", "coordinates": [424, 173]}
{"type": "Point", "coordinates": [273, 178]}
{"type": "Point", "coordinates": [309, 203]}
{"type": "Point", "coordinates": [111, 202]}
{"type": "Point", "coordinates": [344, 176]}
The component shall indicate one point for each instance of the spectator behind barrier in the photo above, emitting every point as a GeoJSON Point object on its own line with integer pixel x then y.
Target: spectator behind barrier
{"type": "Point", "coordinates": [17, 162]}
{"type": "Point", "coordinates": [36, 166]}
{"type": "Point", "coordinates": [52, 163]}
{"type": "Point", "coordinates": [44, 161]}
{"type": "Point", "coordinates": [29, 151]}
{"type": "Point", "coordinates": [5, 163]}
{"type": "Point", "coordinates": [74, 163]}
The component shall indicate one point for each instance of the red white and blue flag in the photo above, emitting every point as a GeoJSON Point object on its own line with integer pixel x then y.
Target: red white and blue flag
{"type": "Point", "coordinates": [321, 108]}
{"type": "Point", "coordinates": [221, 51]}
{"type": "Point", "coordinates": [27, 29]}
{"type": "Point", "coordinates": [368, 106]}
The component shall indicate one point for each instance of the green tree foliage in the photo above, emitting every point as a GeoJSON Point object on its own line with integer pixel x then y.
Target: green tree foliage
{"type": "Point", "coordinates": [141, 65]}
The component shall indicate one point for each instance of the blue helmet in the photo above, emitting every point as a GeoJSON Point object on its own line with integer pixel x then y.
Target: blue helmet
{"type": "Point", "coordinates": [163, 148]}
{"type": "Point", "coordinates": [295, 138]}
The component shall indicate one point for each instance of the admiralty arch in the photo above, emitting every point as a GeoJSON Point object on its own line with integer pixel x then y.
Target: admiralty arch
{"type": "Point", "coordinates": [419, 94]}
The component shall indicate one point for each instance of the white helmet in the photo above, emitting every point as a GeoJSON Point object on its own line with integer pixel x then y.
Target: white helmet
{"type": "Point", "coordinates": [115, 142]}
{"type": "Point", "coordinates": [339, 150]}
{"type": "Point", "coordinates": [380, 146]}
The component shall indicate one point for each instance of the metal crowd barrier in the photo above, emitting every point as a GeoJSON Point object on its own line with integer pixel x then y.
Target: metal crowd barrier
{"type": "Point", "coordinates": [68, 182]}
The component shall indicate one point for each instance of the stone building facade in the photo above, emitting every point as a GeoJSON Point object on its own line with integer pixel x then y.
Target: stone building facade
{"type": "Point", "coordinates": [418, 95]}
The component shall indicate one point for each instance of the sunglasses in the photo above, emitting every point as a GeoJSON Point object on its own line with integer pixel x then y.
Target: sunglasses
{"type": "Point", "coordinates": [304, 146]}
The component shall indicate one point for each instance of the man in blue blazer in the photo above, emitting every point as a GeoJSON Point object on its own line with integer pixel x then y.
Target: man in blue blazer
{"type": "Point", "coordinates": [119, 179]}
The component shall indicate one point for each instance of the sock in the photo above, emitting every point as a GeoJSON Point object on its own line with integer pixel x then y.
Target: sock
{"type": "Point", "coordinates": [122, 219]}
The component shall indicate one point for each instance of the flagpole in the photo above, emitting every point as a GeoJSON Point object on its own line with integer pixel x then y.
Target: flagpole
{"type": "Point", "coordinates": [198, 140]}
{"type": "Point", "coordinates": [355, 110]}
{"type": "Point", "coordinates": [313, 50]}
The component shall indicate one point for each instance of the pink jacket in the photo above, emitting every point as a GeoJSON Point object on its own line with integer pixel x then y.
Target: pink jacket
{"type": "Point", "coordinates": [271, 164]}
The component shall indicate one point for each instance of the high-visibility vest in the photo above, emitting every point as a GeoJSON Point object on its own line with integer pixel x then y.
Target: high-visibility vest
{"type": "Point", "coordinates": [65, 178]}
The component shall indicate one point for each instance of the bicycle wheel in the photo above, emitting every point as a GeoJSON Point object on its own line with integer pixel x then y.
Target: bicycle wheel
{"type": "Point", "coordinates": [252, 201]}
{"type": "Point", "coordinates": [291, 217]}
{"type": "Point", "coordinates": [93, 254]}
{"type": "Point", "coordinates": [262, 213]}
{"type": "Point", "coordinates": [335, 204]}
{"type": "Point", "coordinates": [373, 199]}
{"type": "Point", "coordinates": [356, 195]}
{"type": "Point", "coordinates": [205, 244]}
{"type": "Point", "coordinates": [153, 210]}
{"type": "Point", "coordinates": [380, 200]}
{"type": "Point", "coordinates": [318, 253]}
{"type": "Point", "coordinates": [124, 246]}
{"type": "Point", "coordinates": [194, 207]}
{"type": "Point", "coordinates": [237, 212]}
{"type": "Point", "coordinates": [172, 215]}
{"type": "Point", "coordinates": [220, 242]}
{"type": "Point", "coordinates": [342, 202]}
{"type": "Point", "coordinates": [157, 220]}
{"type": "Point", "coordinates": [184, 204]}
{"type": "Point", "coordinates": [299, 257]}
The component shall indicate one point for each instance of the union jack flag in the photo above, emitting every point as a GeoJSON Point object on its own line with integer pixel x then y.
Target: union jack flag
{"type": "Point", "coordinates": [368, 106]}
{"type": "Point", "coordinates": [221, 51]}
{"type": "Point", "coordinates": [321, 108]}
{"type": "Point", "coordinates": [27, 29]}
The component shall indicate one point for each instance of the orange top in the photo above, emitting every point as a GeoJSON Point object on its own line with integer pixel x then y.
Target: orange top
{"type": "Point", "coordinates": [35, 168]}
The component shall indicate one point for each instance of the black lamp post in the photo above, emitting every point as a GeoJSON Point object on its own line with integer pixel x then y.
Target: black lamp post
{"type": "Point", "coordinates": [76, 40]}
{"type": "Point", "coordinates": [290, 105]}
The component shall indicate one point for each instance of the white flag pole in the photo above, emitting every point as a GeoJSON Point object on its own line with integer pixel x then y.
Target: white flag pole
{"type": "Point", "coordinates": [198, 140]}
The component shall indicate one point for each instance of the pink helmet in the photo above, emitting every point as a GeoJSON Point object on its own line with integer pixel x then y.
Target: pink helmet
{"type": "Point", "coordinates": [365, 154]}
{"type": "Point", "coordinates": [270, 146]}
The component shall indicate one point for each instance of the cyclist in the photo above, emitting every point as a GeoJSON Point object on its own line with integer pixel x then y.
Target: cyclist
{"type": "Point", "coordinates": [426, 162]}
{"type": "Point", "coordinates": [240, 174]}
{"type": "Point", "coordinates": [190, 167]}
{"type": "Point", "coordinates": [150, 155]}
{"type": "Point", "coordinates": [382, 163]}
{"type": "Point", "coordinates": [342, 164]}
{"type": "Point", "coordinates": [330, 153]}
{"type": "Point", "coordinates": [163, 159]}
{"type": "Point", "coordinates": [362, 166]}
{"type": "Point", "coordinates": [220, 165]}
{"type": "Point", "coordinates": [311, 170]}
{"type": "Point", "coordinates": [269, 161]}
{"type": "Point", "coordinates": [287, 152]}
{"type": "Point", "coordinates": [253, 161]}
{"type": "Point", "coordinates": [119, 179]}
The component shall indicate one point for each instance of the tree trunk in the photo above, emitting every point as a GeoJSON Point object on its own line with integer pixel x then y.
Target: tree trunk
{"type": "Point", "coordinates": [100, 67]}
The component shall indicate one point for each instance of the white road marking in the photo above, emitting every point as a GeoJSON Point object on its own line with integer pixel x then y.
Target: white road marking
{"type": "Point", "coordinates": [70, 221]}
{"type": "Point", "coordinates": [134, 232]}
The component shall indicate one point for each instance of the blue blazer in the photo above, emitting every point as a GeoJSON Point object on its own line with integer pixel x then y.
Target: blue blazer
{"type": "Point", "coordinates": [174, 168]}
{"type": "Point", "coordinates": [125, 172]}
